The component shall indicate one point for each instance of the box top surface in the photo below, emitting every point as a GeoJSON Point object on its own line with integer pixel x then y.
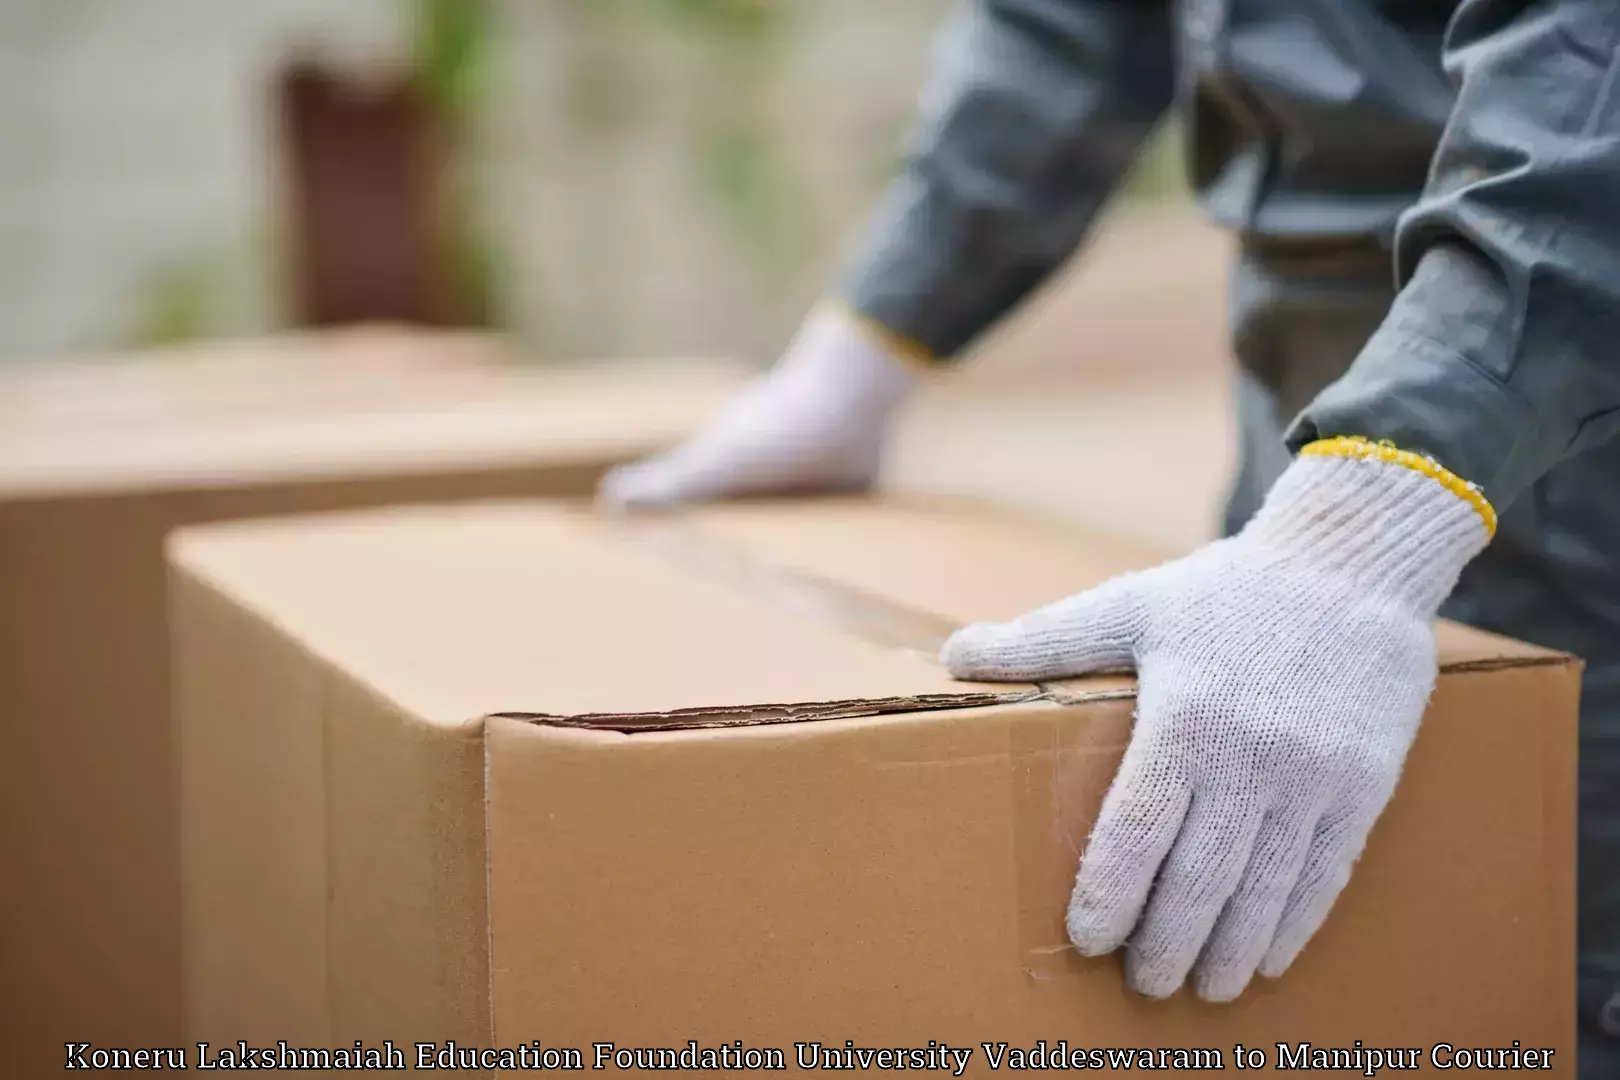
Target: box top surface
{"type": "Point", "coordinates": [741, 614]}
{"type": "Point", "coordinates": [331, 406]}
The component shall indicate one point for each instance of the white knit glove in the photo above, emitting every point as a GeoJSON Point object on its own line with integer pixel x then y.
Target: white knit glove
{"type": "Point", "coordinates": [1281, 677]}
{"type": "Point", "coordinates": [817, 422]}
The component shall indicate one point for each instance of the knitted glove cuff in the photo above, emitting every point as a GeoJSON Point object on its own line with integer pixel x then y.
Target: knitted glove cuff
{"type": "Point", "coordinates": [906, 350]}
{"type": "Point", "coordinates": [1387, 522]}
{"type": "Point", "coordinates": [1384, 450]}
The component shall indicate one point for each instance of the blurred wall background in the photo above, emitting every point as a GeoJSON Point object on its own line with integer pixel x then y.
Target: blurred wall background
{"type": "Point", "coordinates": [634, 177]}
{"type": "Point", "coordinates": [137, 164]}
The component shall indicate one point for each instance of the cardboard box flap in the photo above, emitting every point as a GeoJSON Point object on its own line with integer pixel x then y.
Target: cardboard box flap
{"type": "Point", "coordinates": [967, 561]}
{"type": "Point", "coordinates": [745, 614]}
{"type": "Point", "coordinates": [960, 558]}
{"type": "Point", "coordinates": [456, 613]}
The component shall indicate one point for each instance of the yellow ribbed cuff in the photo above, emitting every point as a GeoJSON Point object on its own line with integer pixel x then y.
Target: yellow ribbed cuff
{"type": "Point", "coordinates": [902, 348]}
{"type": "Point", "coordinates": [1355, 447]}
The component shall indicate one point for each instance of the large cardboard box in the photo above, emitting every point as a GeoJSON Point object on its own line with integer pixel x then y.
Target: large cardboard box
{"type": "Point", "coordinates": [98, 461]}
{"type": "Point", "coordinates": [516, 774]}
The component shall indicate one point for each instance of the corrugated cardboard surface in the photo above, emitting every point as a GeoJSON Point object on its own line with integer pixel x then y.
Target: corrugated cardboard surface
{"type": "Point", "coordinates": [886, 875]}
{"type": "Point", "coordinates": [89, 893]}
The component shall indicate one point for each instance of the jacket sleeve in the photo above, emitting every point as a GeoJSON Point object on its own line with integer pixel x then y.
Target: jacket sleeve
{"type": "Point", "coordinates": [1501, 355]}
{"type": "Point", "coordinates": [1034, 111]}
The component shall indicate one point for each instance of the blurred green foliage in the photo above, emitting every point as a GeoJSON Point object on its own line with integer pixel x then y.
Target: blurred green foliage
{"type": "Point", "coordinates": [739, 20]}
{"type": "Point", "coordinates": [732, 148]}
{"type": "Point", "coordinates": [450, 51]}
{"type": "Point", "coordinates": [174, 303]}
{"type": "Point", "coordinates": [450, 61]}
{"type": "Point", "coordinates": [736, 150]}
{"type": "Point", "coordinates": [602, 92]}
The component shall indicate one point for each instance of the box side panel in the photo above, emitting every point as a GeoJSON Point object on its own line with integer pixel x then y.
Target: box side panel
{"type": "Point", "coordinates": [249, 707]}
{"type": "Point", "coordinates": [89, 901]}
{"type": "Point", "coordinates": [88, 927]}
{"type": "Point", "coordinates": [333, 848]}
{"type": "Point", "coordinates": [906, 880]}
{"type": "Point", "coordinates": [407, 924]}
{"type": "Point", "coordinates": [1457, 924]}
{"type": "Point", "coordinates": [1552, 705]}
{"type": "Point", "coordinates": [832, 880]}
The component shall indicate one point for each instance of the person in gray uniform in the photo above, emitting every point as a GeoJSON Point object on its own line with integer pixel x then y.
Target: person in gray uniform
{"type": "Point", "coordinates": [1425, 309]}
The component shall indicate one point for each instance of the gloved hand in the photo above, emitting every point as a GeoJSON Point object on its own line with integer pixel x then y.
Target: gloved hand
{"type": "Point", "coordinates": [817, 422]}
{"type": "Point", "coordinates": [1282, 673]}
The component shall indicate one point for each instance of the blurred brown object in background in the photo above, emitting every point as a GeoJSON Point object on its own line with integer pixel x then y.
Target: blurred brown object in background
{"type": "Point", "coordinates": [363, 158]}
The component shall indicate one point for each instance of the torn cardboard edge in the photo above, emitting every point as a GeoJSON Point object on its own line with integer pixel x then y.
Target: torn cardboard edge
{"type": "Point", "coordinates": [753, 715]}
{"type": "Point", "coordinates": [874, 619]}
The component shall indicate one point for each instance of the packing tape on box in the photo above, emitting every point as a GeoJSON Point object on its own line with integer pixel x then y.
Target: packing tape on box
{"type": "Point", "coordinates": [1059, 768]}
{"type": "Point", "coordinates": [871, 618]}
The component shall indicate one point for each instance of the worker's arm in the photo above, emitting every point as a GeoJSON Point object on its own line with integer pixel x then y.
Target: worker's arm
{"type": "Point", "coordinates": [1034, 112]}
{"type": "Point", "coordinates": [1501, 355]}
{"type": "Point", "coordinates": [1284, 671]}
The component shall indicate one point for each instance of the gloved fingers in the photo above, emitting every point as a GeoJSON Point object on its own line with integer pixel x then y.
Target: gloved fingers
{"type": "Point", "coordinates": [641, 485]}
{"type": "Point", "coordinates": [1248, 923]}
{"type": "Point", "coordinates": [1337, 844]}
{"type": "Point", "coordinates": [1201, 873]}
{"type": "Point", "coordinates": [1141, 816]}
{"type": "Point", "coordinates": [1093, 631]}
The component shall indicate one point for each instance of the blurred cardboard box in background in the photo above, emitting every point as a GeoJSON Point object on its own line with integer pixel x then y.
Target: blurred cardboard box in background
{"type": "Point", "coordinates": [98, 461]}
{"type": "Point", "coordinates": [248, 378]}
{"type": "Point", "coordinates": [511, 772]}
